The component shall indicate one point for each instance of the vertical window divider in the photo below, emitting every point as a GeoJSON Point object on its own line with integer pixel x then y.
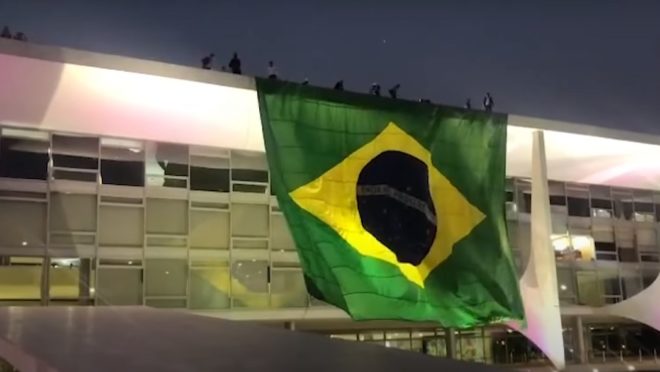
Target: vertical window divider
{"type": "Point", "coordinates": [189, 231]}
{"type": "Point", "coordinates": [230, 232]}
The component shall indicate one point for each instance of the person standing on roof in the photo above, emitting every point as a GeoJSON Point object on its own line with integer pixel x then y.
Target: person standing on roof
{"type": "Point", "coordinates": [272, 71]}
{"type": "Point", "coordinates": [375, 89]}
{"type": "Point", "coordinates": [6, 33]}
{"type": "Point", "coordinates": [235, 64]}
{"type": "Point", "coordinates": [394, 91]}
{"type": "Point", "coordinates": [489, 103]}
{"type": "Point", "coordinates": [207, 61]}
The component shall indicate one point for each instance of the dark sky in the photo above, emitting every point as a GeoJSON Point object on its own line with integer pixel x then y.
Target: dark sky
{"type": "Point", "coordinates": [592, 61]}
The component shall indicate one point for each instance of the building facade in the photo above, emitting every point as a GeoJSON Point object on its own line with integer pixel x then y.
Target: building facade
{"type": "Point", "coordinates": [126, 182]}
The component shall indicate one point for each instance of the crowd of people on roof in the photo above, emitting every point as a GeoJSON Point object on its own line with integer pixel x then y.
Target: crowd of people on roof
{"type": "Point", "coordinates": [6, 34]}
{"type": "Point", "coordinates": [271, 71]}
{"type": "Point", "coordinates": [234, 66]}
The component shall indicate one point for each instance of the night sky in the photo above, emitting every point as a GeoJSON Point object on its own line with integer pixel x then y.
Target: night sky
{"type": "Point", "coordinates": [590, 61]}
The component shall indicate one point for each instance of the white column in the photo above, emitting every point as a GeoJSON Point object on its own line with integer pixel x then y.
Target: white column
{"type": "Point", "coordinates": [450, 342]}
{"type": "Point", "coordinates": [580, 347]}
{"type": "Point", "coordinates": [538, 285]}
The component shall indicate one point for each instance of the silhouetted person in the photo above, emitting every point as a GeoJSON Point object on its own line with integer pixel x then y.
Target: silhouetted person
{"type": "Point", "coordinates": [272, 71]}
{"type": "Point", "coordinates": [394, 90]}
{"type": "Point", "coordinates": [468, 104]}
{"type": "Point", "coordinates": [6, 33]}
{"type": "Point", "coordinates": [235, 64]}
{"type": "Point", "coordinates": [305, 82]}
{"type": "Point", "coordinates": [339, 85]}
{"type": "Point", "coordinates": [20, 36]}
{"type": "Point", "coordinates": [489, 103]}
{"type": "Point", "coordinates": [375, 89]}
{"type": "Point", "coordinates": [207, 61]}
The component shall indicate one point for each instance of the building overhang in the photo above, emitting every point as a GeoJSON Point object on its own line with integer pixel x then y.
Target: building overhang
{"type": "Point", "coordinates": [65, 90]}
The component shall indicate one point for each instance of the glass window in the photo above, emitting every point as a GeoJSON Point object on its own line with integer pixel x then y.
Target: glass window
{"type": "Point", "coordinates": [525, 201]}
{"type": "Point", "coordinates": [122, 162]}
{"type": "Point", "coordinates": [589, 288]}
{"type": "Point", "coordinates": [649, 276]}
{"type": "Point", "coordinates": [643, 206]}
{"type": "Point", "coordinates": [606, 251]}
{"type": "Point", "coordinates": [627, 255]}
{"type": "Point", "coordinates": [578, 207]}
{"type": "Point", "coordinates": [610, 285]}
{"type": "Point", "coordinates": [166, 277]}
{"type": "Point", "coordinates": [566, 285]}
{"type": "Point", "coordinates": [119, 285]}
{"type": "Point", "coordinates": [73, 212]}
{"type": "Point", "coordinates": [166, 165]}
{"type": "Point", "coordinates": [249, 175]}
{"type": "Point", "coordinates": [557, 193]}
{"type": "Point", "coordinates": [435, 346]}
{"type": "Point", "coordinates": [249, 284]}
{"type": "Point", "coordinates": [471, 345]}
{"type": "Point", "coordinates": [121, 226]}
{"type": "Point", "coordinates": [167, 216]}
{"type": "Point", "coordinates": [623, 204]}
{"type": "Point", "coordinates": [419, 339]}
{"type": "Point", "coordinates": [398, 340]}
{"type": "Point", "coordinates": [75, 152]}
{"type": "Point", "coordinates": [631, 283]}
{"type": "Point", "coordinates": [557, 200]}
{"type": "Point", "coordinates": [209, 229]}
{"type": "Point", "coordinates": [24, 154]}
{"type": "Point", "coordinates": [280, 235]}
{"type": "Point", "coordinates": [288, 288]}
{"type": "Point", "coordinates": [210, 285]}
{"type": "Point", "coordinates": [22, 224]}
{"type": "Point", "coordinates": [20, 280]}
{"type": "Point", "coordinates": [71, 281]}
{"type": "Point", "coordinates": [249, 220]}
{"type": "Point", "coordinates": [577, 199]}
{"type": "Point", "coordinates": [75, 157]}
{"type": "Point", "coordinates": [209, 173]}
{"type": "Point", "coordinates": [249, 172]}
{"type": "Point", "coordinates": [601, 197]}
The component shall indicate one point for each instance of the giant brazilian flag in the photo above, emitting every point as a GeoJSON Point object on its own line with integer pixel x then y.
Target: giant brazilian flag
{"type": "Point", "coordinates": [396, 208]}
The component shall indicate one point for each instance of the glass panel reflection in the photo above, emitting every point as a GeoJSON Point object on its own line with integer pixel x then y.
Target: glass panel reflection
{"type": "Point", "coordinates": [210, 286]}
{"type": "Point", "coordinates": [288, 288]}
{"type": "Point", "coordinates": [249, 284]}
{"type": "Point", "coordinates": [20, 280]}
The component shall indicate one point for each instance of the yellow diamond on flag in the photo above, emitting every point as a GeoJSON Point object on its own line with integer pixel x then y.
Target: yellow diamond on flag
{"type": "Point", "coordinates": [332, 198]}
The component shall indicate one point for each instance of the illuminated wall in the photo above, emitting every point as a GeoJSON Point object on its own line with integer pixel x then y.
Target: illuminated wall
{"type": "Point", "coordinates": [90, 100]}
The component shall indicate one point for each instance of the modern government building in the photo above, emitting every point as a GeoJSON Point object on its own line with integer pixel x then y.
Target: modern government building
{"type": "Point", "coordinates": [132, 182]}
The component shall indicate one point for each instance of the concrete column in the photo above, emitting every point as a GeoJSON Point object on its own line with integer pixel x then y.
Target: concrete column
{"type": "Point", "coordinates": [450, 341]}
{"type": "Point", "coordinates": [538, 284]}
{"type": "Point", "coordinates": [580, 346]}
